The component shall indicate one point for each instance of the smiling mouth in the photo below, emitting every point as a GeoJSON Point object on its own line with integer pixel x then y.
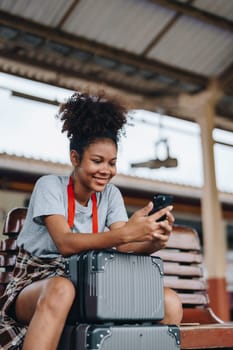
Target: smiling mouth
{"type": "Point", "coordinates": [101, 179]}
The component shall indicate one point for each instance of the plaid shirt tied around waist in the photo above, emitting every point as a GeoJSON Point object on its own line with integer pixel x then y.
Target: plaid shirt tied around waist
{"type": "Point", "coordinates": [28, 269]}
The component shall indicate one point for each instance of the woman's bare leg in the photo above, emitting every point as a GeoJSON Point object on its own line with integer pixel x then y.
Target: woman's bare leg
{"type": "Point", "coordinates": [44, 306]}
{"type": "Point", "coordinates": [173, 307]}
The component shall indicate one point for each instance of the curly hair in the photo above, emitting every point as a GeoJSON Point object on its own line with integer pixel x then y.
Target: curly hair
{"type": "Point", "coordinates": [87, 117]}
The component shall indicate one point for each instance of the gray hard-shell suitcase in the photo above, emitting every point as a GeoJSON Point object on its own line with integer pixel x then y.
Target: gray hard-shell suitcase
{"type": "Point", "coordinates": [126, 337]}
{"type": "Point", "coordinates": [116, 287]}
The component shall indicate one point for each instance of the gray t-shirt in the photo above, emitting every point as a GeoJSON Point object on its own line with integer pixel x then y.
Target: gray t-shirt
{"type": "Point", "coordinates": [50, 197]}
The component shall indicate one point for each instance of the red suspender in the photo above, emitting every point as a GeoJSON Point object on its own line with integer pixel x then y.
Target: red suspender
{"type": "Point", "coordinates": [71, 203]}
{"type": "Point", "coordinates": [71, 207]}
{"type": "Point", "coordinates": [94, 214]}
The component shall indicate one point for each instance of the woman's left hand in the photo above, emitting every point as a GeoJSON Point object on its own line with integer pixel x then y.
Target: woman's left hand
{"type": "Point", "coordinates": [163, 232]}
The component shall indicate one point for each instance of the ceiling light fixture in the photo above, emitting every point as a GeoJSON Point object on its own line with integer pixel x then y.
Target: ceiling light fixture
{"type": "Point", "coordinates": [167, 162]}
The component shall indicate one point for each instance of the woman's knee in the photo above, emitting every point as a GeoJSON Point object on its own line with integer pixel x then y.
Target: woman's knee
{"type": "Point", "coordinates": [58, 294]}
{"type": "Point", "coordinates": [173, 307]}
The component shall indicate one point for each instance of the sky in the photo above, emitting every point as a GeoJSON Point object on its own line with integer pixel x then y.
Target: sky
{"type": "Point", "coordinates": [30, 129]}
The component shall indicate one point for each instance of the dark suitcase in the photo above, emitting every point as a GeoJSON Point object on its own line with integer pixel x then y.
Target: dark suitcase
{"type": "Point", "coordinates": [126, 337]}
{"type": "Point", "coordinates": [116, 287]}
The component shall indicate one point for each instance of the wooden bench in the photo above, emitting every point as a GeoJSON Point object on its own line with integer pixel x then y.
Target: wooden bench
{"type": "Point", "coordinates": [184, 272]}
{"type": "Point", "coordinates": [183, 266]}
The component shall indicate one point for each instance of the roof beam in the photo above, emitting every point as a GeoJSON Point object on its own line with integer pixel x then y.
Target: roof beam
{"type": "Point", "coordinates": [226, 78]}
{"type": "Point", "coordinates": [67, 13]}
{"type": "Point", "coordinates": [106, 51]}
{"type": "Point", "coordinates": [161, 34]}
{"type": "Point", "coordinates": [201, 15]}
{"type": "Point", "coordinates": [132, 101]}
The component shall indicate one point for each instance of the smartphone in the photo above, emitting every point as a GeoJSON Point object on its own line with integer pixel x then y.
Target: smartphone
{"type": "Point", "coordinates": [161, 201]}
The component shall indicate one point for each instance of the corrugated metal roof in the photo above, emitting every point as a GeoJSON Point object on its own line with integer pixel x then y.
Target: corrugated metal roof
{"type": "Point", "coordinates": [146, 49]}
{"type": "Point", "coordinates": [128, 25]}
{"type": "Point", "coordinates": [194, 46]}
{"type": "Point", "coordinates": [44, 12]}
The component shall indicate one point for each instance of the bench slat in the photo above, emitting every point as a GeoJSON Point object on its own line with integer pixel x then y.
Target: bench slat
{"type": "Point", "coordinates": [182, 270]}
{"type": "Point", "coordinates": [7, 260]}
{"type": "Point", "coordinates": [184, 244]}
{"type": "Point", "coordinates": [176, 255]}
{"type": "Point", "coordinates": [184, 283]}
{"type": "Point", "coordinates": [8, 244]}
{"type": "Point", "coordinates": [194, 298]}
{"type": "Point", "coordinates": [14, 221]}
{"type": "Point", "coordinates": [184, 238]}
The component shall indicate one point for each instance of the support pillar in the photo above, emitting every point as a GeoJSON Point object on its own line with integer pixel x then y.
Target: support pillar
{"type": "Point", "coordinates": [213, 231]}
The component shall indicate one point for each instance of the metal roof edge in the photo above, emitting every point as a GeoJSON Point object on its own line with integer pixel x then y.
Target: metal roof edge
{"type": "Point", "coordinates": [39, 166]}
{"type": "Point", "coordinates": [31, 165]}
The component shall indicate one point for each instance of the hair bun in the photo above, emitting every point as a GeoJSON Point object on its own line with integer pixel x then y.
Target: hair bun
{"type": "Point", "coordinates": [86, 115]}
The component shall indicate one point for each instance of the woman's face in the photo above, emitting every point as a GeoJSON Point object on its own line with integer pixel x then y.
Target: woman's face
{"type": "Point", "coordinates": [98, 165]}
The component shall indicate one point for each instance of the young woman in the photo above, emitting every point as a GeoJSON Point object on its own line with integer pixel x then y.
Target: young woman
{"type": "Point", "coordinates": [63, 213]}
